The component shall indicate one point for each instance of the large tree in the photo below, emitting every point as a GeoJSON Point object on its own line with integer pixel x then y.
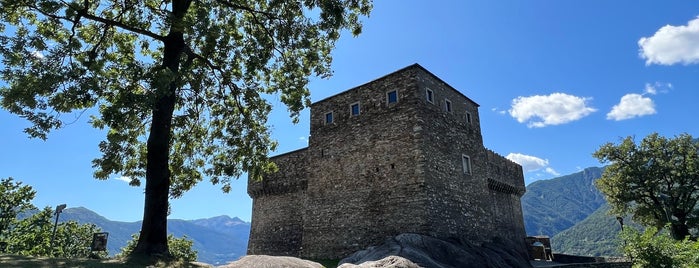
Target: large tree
{"type": "Point", "coordinates": [657, 181]}
{"type": "Point", "coordinates": [180, 85]}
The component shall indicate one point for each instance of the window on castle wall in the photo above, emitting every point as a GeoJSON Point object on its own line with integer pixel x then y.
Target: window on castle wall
{"type": "Point", "coordinates": [429, 95]}
{"type": "Point", "coordinates": [354, 109]}
{"type": "Point", "coordinates": [468, 117]}
{"type": "Point", "coordinates": [329, 118]}
{"type": "Point", "coordinates": [466, 164]}
{"type": "Point", "coordinates": [392, 96]}
{"type": "Point", "coordinates": [447, 106]}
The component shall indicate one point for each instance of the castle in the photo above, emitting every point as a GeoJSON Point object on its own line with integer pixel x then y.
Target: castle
{"type": "Point", "coordinates": [400, 154]}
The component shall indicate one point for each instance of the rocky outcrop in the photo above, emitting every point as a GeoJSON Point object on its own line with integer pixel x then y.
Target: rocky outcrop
{"type": "Point", "coordinates": [388, 262]}
{"type": "Point", "coordinates": [425, 251]}
{"type": "Point", "coordinates": [264, 261]}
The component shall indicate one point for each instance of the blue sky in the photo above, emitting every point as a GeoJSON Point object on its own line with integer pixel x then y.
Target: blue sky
{"type": "Point", "coordinates": [555, 80]}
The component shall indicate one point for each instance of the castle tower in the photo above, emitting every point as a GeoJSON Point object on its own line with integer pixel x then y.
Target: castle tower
{"type": "Point", "coordinates": [403, 153]}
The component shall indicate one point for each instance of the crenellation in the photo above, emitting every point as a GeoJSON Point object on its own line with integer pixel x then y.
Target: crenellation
{"type": "Point", "coordinates": [400, 154]}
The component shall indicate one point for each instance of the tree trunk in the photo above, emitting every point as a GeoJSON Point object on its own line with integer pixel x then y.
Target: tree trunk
{"type": "Point", "coordinates": [679, 230]}
{"type": "Point", "coordinates": [152, 241]}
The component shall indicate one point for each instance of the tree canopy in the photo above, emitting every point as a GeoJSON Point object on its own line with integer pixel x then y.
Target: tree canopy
{"type": "Point", "coordinates": [179, 85]}
{"type": "Point", "coordinates": [15, 198]}
{"type": "Point", "coordinates": [657, 181]}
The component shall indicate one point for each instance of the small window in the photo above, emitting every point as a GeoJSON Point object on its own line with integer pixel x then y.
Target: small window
{"type": "Point", "coordinates": [429, 94]}
{"type": "Point", "coordinates": [392, 96]}
{"type": "Point", "coordinates": [466, 164]}
{"type": "Point", "coordinates": [354, 109]}
{"type": "Point", "coordinates": [447, 105]}
{"type": "Point", "coordinates": [468, 117]}
{"type": "Point", "coordinates": [329, 118]}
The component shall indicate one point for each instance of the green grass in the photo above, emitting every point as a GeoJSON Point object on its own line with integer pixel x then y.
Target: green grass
{"type": "Point", "coordinates": [17, 261]}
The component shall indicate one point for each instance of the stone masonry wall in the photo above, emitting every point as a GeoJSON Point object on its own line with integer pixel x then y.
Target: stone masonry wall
{"type": "Point", "coordinates": [393, 168]}
{"type": "Point", "coordinates": [456, 205]}
{"type": "Point", "coordinates": [364, 186]}
{"type": "Point", "coordinates": [278, 202]}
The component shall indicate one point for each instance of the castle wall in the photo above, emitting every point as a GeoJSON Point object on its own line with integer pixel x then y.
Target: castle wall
{"type": "Point", "coordinates": [457, 205]}
{"type": "Point", "coordinates": [277, 209]}
{"type": "Point", "coordinates": [364, 186]}
{"type": "Point", "coordinates": [505, 187]}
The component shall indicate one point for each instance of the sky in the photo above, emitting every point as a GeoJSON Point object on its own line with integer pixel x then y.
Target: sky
{"type": "Point", "coordinates": [554, 79]}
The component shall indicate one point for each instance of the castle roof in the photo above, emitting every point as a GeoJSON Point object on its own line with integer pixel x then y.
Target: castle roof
{"type": "Point", "coordinates": [404, 69]}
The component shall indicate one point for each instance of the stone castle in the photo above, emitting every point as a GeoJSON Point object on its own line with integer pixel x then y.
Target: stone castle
{"type": "Point", "coordinates": [400, 154]}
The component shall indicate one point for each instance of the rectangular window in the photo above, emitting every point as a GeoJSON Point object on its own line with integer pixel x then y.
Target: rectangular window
{"type": "Point", "coordinates": [466, 164]}
{"type": "Point", "coordinates": [354, 109]}
{"type": "Point", "coordinates": [468, 117]}
{"type": "Point", "coordinates": [329, 118]}
{"type": "Point", "coordinates": [429, 95]}
{"type": "Point", "coordinates": [447, 105]}
{"type": "Point", "coordinates": [392, 96]}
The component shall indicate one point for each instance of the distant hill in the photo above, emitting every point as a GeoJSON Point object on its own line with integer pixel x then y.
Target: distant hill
{"type": "Point", "coordinates": [218, 240]}
{"type": "Point", "coordinates": [551, 206]}
{"type": "Point", "coordinates": [596, 235]}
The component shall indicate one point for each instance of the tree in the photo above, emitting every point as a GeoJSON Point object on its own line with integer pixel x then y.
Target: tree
{"type": "Point", "coordinates": [657, 181]}
{"type": "Point", "coordinates": [179, 84]}
{"type": "Point", "coordinates": [15, 198]}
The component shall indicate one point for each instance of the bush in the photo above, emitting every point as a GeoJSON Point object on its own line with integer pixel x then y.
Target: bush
{"type": "Point", "coordinates": [654, 248]}
{"type": "Point", "coordinates": [180, 248]}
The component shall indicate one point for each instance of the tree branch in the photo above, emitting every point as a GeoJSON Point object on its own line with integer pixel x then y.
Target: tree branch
{"type": "Point", "coordinates": [253, 13]}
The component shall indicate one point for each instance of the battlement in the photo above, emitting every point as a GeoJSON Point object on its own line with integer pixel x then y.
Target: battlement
{"type": "Point", "coordinates": [501, 167]}
{"type": "Point", "coordinates": [291, 177]}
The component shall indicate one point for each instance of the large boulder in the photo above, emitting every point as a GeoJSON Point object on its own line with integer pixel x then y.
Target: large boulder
{"type": "Point", "coordinates": [388, 262]}
{"type": "Point", "coordinates": [264, 261]}
{"type": "Point", "coordinates": [431, 252]}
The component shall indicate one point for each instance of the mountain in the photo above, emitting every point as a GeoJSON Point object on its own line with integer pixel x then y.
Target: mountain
{"type": "Point", "coordinates": [551, 206]}
{"type": "Point", "coordinates": [596, 235]}
{"type": "Point", "coordinates": [217, 240]}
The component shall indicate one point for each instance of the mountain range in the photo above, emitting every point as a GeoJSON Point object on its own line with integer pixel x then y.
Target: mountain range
{"type": "Point", "coordinates": [573, 212]}
{"type": "Point", "coordinates": [217, 240]}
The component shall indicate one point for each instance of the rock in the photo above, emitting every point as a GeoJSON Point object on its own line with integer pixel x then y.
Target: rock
{"type": "Point", "coordinates": [388, 262]}
{"type": "Point", "coordinates": [264, 261]}
{"type": "Point", "coordinates": [426, 251]}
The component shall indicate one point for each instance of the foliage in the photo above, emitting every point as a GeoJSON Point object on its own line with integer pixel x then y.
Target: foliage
{"type": "Point", "coordinates": [658, 249]}
{"type": "Point", "coordinates": [656, 181]}
{"type": "Point", "coordinates": [32, 237]}
{"type": "Point", "coordinates": [180, 248]}
{"type": "Point", "coordinates": [15, 198]}
{"type": "Point", "coordinates": [180, 85]}
{"type": "Point", "coordinates": [68, 56]}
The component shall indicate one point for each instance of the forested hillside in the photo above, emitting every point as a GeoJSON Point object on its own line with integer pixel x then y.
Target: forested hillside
{"type": "Point", "coordinates": [551, 206]}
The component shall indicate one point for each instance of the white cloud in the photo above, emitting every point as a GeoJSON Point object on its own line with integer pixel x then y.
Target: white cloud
{"type": "Point", "coordinates": [651, 89]}
{"type": "Point", "coordinates": [124, 179]}
{"type": "Point", "coordinates": [554, 109]}
{"type": "Point", "coordinates": [672, 44]}
{"type": "Point", "coordinates": [632, 105]}
{"type": "Point", "coordinates": [657, 87]}
{"type": "Point", "coordinates": [303, 139]}
{"type": "Point", "coordinates": [551, 171]}
{"type": "Point", "coordinates": [528, 162]}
